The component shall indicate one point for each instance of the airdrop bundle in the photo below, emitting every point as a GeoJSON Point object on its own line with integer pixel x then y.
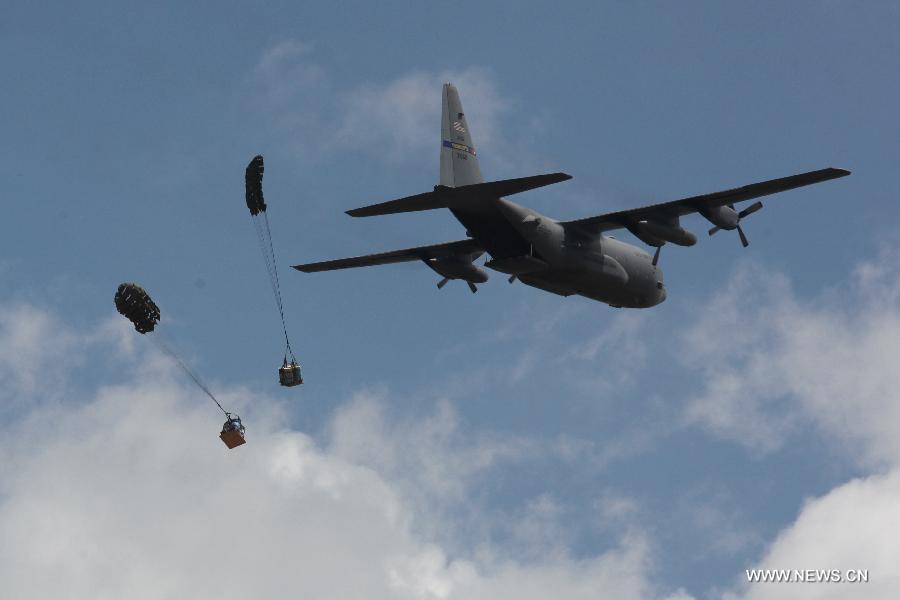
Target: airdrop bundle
{"type": "Point", "coordinates": [135, 304]}
{"type": "Point", "coordinates": [289, 373]}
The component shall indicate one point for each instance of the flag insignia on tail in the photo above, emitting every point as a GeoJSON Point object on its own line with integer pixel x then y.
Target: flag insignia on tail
{"type": "Point", "coordinates": [460, 147]}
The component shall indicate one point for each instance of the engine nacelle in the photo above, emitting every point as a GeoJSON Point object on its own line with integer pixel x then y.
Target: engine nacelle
{"type": "Point", "coordinates": [722, 216]}
{"type": "Point", "coordinates": [645, 237]}
{"type": "Point", "coordinates": [670, 232]}
{"type": "Point", "coordinates": [456, 268]}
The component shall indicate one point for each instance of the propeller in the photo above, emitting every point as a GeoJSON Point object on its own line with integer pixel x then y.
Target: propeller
{"type": "Point", "coordinates": [744, 213]}
{"type": "Point", "coordinates": [656, 254]}
{"type": "Point", "coordinates": [444, 281]}
{"type": "Point", "coordinates": [511, 278]}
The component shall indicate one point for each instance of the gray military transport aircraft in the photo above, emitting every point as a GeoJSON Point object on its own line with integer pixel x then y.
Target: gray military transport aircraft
{"type": "Point", "coordinates": [562, 257]}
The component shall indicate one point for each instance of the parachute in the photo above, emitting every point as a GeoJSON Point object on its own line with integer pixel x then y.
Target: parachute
{"type": "Point", "coordinates": [135, 304]}
{"type": "Point", "coordinates": [289, 374]}
{"type": "Point", "coordinates": [253, 178]}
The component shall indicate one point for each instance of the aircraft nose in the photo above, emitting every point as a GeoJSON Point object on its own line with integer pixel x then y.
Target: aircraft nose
{"type": "Point", "coordinates": [660, 293]}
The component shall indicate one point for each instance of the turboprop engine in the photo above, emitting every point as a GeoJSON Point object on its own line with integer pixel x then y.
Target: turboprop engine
{"type": "Point", "coordinates": [457, 267]}
{"type": "Point", "coordinates": [727, 218]}
{"type": "Point", "coordinates": [657, 233]}
{"type": "Point", "coordinates": [670, 231]}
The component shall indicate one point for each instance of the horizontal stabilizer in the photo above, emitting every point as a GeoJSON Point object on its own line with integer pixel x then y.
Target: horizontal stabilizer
{"type": "Point", "coordinates": [459, 197]}
{"type": "Point", "coordinates": [467, 248]}
{"type": "Point", "coordinates": [439, 198]}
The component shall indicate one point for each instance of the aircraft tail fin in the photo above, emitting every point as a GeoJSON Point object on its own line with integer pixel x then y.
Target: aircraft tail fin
{"type": "Point", "coordinates": [462, 185]}
{"type": "Point", "coordinates": [459, 164]}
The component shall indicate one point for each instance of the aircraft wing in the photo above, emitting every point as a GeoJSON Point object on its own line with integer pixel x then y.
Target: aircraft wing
{"type": "Point", "coordinates": [445, 250]}
{"type": "Point", "coordinates": [677, 208]}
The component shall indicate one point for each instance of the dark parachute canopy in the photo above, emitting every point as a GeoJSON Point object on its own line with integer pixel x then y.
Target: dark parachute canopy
{"type": "Point", "coordinates": [253, 178]}
{"type": "Point", "coordinates": [135, 304]}
{"type": "Point", "coordinates": [289, 373]}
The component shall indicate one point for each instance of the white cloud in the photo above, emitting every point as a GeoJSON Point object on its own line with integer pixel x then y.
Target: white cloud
{"type": "Point", "coordinates": [126, 492]}
{"type": "Point", "coordinates": [773, 362]}
{"type": "Point", "coordinates": [615, 356]}
{"type": "Point", "coordinates": [34, 348]}
{"type": "Point", "coordinates": [432, 459]}
{"type": "Point", "coordinates": [852, 527]}
{"type": "Point", "coordinates": [439, 465]}
{"type": "Point", "coordinates": [285, 80]}
{"type": "Point", "coordinates": [615, 507]}
{"type": "Point", "coordinates": [397, 120]}
{"type": "Point", "coordinates": [401, 118]}
{"type": "Point", "coordinates": [38, 353]}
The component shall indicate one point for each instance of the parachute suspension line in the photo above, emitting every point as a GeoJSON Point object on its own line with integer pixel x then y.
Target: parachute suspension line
{"type": "Point", "coordinates": [277, 287]}
{"type": "Point", "coordinates": [264, 247]}
{"type": "Point", "coordinates": [264, 237]}
{"type": "Point", "coordinates": [166, 349]}
{"type": "Point", "coordinates": [274, 262]}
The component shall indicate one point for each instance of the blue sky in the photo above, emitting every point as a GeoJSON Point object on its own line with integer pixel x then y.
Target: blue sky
{"type": "Point", "coordinates": [560, 438]}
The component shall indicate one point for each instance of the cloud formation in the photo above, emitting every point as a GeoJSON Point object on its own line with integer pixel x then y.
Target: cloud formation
{"type": "Point", "coordinates": [850, 527]}
{"type": "Point", "coordinates": [121, 488]}
{"type": "Point", "coordinates": [774, 363]}
{"type": "Point", "coordinates": [124, 491]}
{"type": "Point", "coordinates": [395, 120]}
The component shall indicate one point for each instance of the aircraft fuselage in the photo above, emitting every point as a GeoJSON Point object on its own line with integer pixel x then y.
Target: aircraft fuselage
{"type": "Point", "coordinates": [564, 261]}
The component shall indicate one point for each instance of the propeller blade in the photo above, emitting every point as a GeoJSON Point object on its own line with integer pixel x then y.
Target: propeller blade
{"type": "Point", "coordinates": [743, 237]}
{"type": "Point", "coordinates": [750, 210]}
{"type": "Point", "coordinates": [656, 255]}
{"type": "Point", "coordinates": [442, 282]}
{"type": "Point", "coordinates": [714, 229]}
{"type": "Point", "coordinates": [472, 287]}
{"type": "Point", "coordinates": [511, 278]}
